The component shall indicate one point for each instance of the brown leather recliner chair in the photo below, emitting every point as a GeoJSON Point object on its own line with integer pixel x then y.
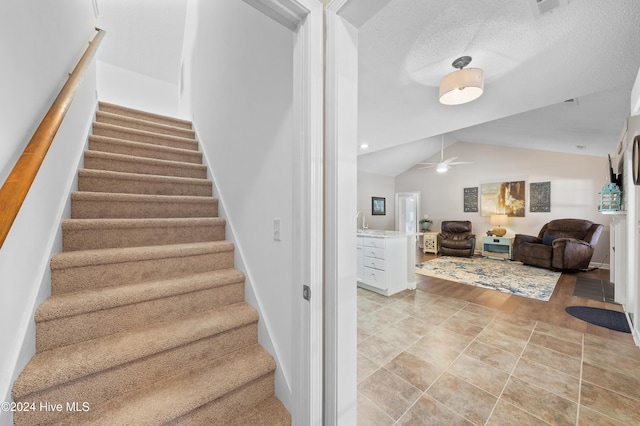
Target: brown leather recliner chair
{"type": "Point", "coordinates": [562, 244]}
{"type": "Point", "coordinates": [456, 238]}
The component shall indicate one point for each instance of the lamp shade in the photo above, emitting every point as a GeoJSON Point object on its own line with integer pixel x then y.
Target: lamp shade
{"type": "Point", "coordinates": [461, 86]}
{"type": "Point", "coordinates": [499, 219]}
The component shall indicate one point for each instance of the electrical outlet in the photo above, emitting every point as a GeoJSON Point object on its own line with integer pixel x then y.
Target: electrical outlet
{"type": "Point", "coordinates": [276, 229]}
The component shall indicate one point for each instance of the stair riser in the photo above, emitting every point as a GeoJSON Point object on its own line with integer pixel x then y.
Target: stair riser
{"type": "Point", "coordinates": [131, 186]}
{"type": "Point", "coordinates": [83, 209]}
{"type": "Point", "coordinates": [231, 405]}
{"type": "Point", "coordinates": [100, 387]}
{"type": "Point", "coordinates": [131, 123]}
{"type": "Point", "coordinates": [89, 239]}
{"type": "Point", "coordinates": [101, 129]}
{"type": "Point", "coordinates": [141, 115]}
{"type": "Point", "coordinates": [111, 274]}
{"type": "Point", "coordinates": [140, 150]}
{"type": "Point", "coordinates": [142, 168]}
{"type": "Point", "coordinates": [91, 325]}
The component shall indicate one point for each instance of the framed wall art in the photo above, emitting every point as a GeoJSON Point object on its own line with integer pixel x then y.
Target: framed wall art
{"type": "Point", "coordinates": [471, 200]}
{"type": "Point", "coordinates": [503, 198]}
{"type": "Point", "coordinates": [378, 206]}
{"type": "Point", "coordinates": [540, 197]}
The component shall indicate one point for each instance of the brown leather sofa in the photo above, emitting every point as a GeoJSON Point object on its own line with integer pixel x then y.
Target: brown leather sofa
{"type": "Point", "coordinates": [562, 244]}
{"type": "Point", "coordinates": [456, 238]}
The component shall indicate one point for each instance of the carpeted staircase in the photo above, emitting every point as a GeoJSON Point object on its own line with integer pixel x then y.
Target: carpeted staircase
{"type": "Point", "coordinates": [147, 322]}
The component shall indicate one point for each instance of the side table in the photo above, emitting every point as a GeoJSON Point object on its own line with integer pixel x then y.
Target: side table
{"type": "Point", "coordinates": [430, 242]}
{"type": "Point", "coordinates": [497, 247]}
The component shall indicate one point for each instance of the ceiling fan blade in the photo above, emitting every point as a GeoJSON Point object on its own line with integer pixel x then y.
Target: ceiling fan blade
{"type": "Point", "coordinates": [457, 163]}
{"type": "Point", "coordinates": [449, 160]}
{"type": "Point", "coordinates": [429, 166]}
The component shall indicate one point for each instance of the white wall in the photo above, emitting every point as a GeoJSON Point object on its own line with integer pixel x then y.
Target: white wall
{"type": "Point", "coordinates": [43, 42]}
{"type": "Point", "coordinates": [240, 82]}
{"type": "Point", "coordinates": [575, 180]}
{"type": "Point", "coordinates": [134, 90]}
{"type": "Point", "coordinates": [374, 185]}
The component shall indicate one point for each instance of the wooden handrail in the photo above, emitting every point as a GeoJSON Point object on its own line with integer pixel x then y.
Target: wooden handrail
{"type": "Point", "coordinates": [15, 188]}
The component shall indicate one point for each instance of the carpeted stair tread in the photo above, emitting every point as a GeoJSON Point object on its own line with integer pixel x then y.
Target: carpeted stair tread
{"type": "Point", "coordinates": [143, 115]}
{"type": "Point", "coordinates": [65, 305]}
{"type": "Point", "coordinates": [119, 132]}
{"type": "Point", "coordinates": [87, 205]}
{"type": "Point", "coordinates": [101, 160]}
{"type": "Point", "coordinates": [89, 234]}
{"type": "Point", "coordinates": [70, 363]}
{"type": "Point", "coordinates": [139, 124]}
{"type": "Point", "coordinates": [270, 412]}
{"type": "Point", "coordinates": [141, 149]}
{"type": "Point", "coordinates": [86, 269]}
{"type": "Point", "coordinates": [171, 399]}
{"type": "Point", "coordinates": [132, 183]}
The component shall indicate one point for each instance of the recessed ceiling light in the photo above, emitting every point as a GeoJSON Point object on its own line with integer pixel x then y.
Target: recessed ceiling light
{"type": "Point", "coordinates": [581, 147]}
{"type": "Point", "coordinates": [364, 145]}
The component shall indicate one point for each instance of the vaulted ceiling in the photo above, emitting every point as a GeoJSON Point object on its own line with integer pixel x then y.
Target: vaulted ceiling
{"type": "Point", "coordinates": [583, 51]}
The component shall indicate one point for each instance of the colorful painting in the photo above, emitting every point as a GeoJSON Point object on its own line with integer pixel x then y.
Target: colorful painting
{"type": "Point", "coordinates": [503, 198]}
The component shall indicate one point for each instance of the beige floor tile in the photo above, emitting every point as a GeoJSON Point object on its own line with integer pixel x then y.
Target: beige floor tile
{"type": "Point", "coordinates": [429, 412]}
{"type": "Point", "coordinates": [596, 342]}
{"type": "Point", "coordinates": [613, 380]}
{"type": "Point", "coordinates": [549, 379]}
{"type": "Point", "coordinates": [362, 335]}
{"type": "Point", "coordinates": [461, 326]}
{"type": "Point", "coordinates": [463, 398]}
{"type": "Point", "coordinates": [369, 414]}
{"type": "Point", "coordinates": [371, 323]}
{"type": "Point", "coordinates": [398, 336]}
{"type": "Point", "coordinates": [479, 374]}
{"type": "Point", "coordinates": [560, 345]}
{"type": "Point", "coordinates": [378, 350]}
{"type": "Point", "coordinates": [366, 306]}
{"type": "Point", "coordinates": [506, 414]}
{"type": "Point", "coordinates": [560, 332]}
{"type": "Point", "coordinates": [414, 370]}
{"type": "Point", "coordinates": [492, 356]}
{"type": "Point", "coordinates": [553, 359]}
{"type": "Point", "coordinates": [611, 404]}
{"type": "Point", "coordinates": [389, 392]}
{"type": "Point", "coordinates": [510, 325]}
{"type": "Point", "coordinates": [366, 367]}
{"type": "Point", "coordinates": [599, 357]}
{"type": "Point", "coordinates": [588, 417]}
{"type": "Point", "coordinates": [500, 340]}
{"type": "Point", "coordinates": [415, 325]}
{"type": "Point", "coordinates": [544, 404]}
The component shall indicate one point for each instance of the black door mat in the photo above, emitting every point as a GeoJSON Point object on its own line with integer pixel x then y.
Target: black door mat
{"type": "Point", "coordinates": [594, 289]}
{"type": "Point", "coordinates": [607, 318]}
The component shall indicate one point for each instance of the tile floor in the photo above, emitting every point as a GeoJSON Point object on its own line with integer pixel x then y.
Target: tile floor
{"type": "Point", "coordinates": [426, 359]}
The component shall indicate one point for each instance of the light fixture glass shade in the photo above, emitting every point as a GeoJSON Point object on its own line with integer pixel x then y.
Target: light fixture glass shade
{"type": "Point", "coordinates": [461, 86]}
{"type": "Point", "coordinates": [442, 167]}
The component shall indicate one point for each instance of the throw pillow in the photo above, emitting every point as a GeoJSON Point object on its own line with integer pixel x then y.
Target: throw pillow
{"type": "Point", "coordinates": [548, 239]}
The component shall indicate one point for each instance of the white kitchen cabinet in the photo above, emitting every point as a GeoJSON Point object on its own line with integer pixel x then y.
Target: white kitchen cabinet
{"type": "Point", "coordinates": [385, 266]}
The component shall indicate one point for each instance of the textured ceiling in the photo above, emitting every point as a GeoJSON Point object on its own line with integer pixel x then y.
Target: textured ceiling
{"type": "Point", "coordinates": [585, 50]}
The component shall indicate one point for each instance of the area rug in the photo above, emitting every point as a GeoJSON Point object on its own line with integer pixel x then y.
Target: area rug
{"type": "Point", "coordinates": [607, 318]}
{"type": "Point", "coordinates": [506, 277]}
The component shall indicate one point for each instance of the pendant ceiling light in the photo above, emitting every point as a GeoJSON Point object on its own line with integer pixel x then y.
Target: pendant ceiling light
{"type": "Point", "coordinates": [463, 85]}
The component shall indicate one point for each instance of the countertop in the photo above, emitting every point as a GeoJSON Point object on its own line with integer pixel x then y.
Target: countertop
{"type": "Point", "coordinates": [379, 233]}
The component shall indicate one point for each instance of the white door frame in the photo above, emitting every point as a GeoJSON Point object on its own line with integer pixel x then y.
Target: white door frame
{"type": "Point", "coordinates": [305, 19]}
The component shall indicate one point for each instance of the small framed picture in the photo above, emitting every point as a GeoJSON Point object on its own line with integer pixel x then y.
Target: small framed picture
{"type": "Point", "coordinates": [378, 206]}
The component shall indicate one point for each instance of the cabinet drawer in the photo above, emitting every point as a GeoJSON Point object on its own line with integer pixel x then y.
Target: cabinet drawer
{"type": "Point", "coordinates": [374, 252]}
{"type": "Point", "coordinates": [374, 242]}
{"type": "Point", "coordinates": [375, 278]}
{"type": "Point", "coordinates": [372, 262]}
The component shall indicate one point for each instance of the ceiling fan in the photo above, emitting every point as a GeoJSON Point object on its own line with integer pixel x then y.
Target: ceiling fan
{"type": "Point", "coordinates": [443, 165]}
